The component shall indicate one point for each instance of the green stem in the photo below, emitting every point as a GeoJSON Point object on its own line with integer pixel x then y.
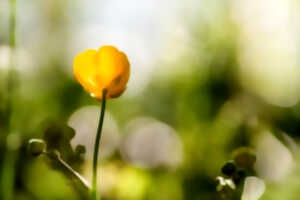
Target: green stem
{"type": "Point", "coordinates": [12, 62]}
{"type": "Point", "coordinates": [80, 184]}
{"type": "Point", "coordinates": [96, 147]}
{"type": "Point", "coordinates": [10, 156]}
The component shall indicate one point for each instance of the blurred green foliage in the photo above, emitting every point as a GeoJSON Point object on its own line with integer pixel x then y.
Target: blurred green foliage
{"type": "Point", "coordinates": [207, 105]}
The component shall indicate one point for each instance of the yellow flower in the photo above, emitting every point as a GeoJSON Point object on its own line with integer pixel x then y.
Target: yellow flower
{"type": "Point", "coordinates": [108, 68]}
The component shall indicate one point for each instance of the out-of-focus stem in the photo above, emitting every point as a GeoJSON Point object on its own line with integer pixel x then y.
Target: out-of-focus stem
{"type": "Point", "coordinates": [12, 23]}
{"type": "Point", "coordinates": [9, 160]}
{"type": "Point", "coordinates": [96, 147]}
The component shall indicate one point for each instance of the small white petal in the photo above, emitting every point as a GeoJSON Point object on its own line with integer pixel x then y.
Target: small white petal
{"type": "Point", "coordinates": [230, 183]}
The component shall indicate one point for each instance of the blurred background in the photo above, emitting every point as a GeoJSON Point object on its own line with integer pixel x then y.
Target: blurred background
{"type": "Point", "coordinates": [207, 77]}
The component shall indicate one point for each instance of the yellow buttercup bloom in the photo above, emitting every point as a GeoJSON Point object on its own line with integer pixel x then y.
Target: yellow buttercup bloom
{"type": "Point", "coordinates": [105, 68]}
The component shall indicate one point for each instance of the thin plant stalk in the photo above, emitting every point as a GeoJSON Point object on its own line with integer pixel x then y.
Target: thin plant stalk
{"type": "Point", "coordinates": [82, 187]}
{"type": "Point", "coordinates": [96, 147]}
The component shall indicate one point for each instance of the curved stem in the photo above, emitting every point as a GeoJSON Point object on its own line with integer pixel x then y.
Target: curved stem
{"type": "Point", "coordinates": [82, 186]}
{"type": "Point", "coordinates": [96, 147]}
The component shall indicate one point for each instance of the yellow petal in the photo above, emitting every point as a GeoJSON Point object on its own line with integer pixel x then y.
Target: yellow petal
{"type": "Point", "coordinates": [85, 69]}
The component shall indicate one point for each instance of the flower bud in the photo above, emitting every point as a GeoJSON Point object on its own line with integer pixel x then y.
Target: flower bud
{"type": "Point", "coordinates": [244, 157]}
{"type": "Point", "coordinates": [36, 147]}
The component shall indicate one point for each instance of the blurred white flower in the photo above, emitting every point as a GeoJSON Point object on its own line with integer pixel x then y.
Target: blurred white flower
{"type": "Point", "coordinates": [253, 188]}
{"type": "Point", "coordinates": [269, 149]}
{"type": "Point", "coordinates": [268, 53]}
{"type": "Point", "coordinates": [85, 122]}
{"type": "Point", "coordinates": [151, 143]}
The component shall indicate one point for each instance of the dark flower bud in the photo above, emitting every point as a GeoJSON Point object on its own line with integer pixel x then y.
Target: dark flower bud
{"type": "Point", "coordinates": [80, 149]}
{"type": "Point", "coordinates": [239, 176]}
{"type": "Point", "coordinates": [229, 168]}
